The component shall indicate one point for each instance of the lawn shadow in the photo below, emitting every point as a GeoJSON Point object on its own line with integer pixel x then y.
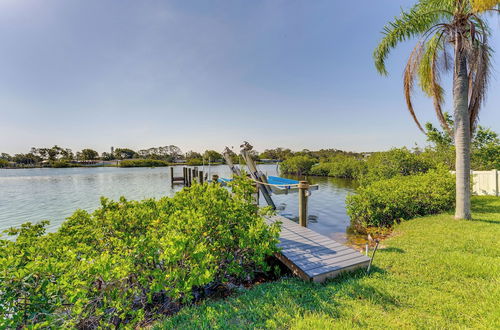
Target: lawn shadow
{"type": "Point", "coordinates": [288, 298]}
{"type": "Point", "coordinates": [495, 222]}
{"type": "Point", "coordinates": [485, 205]}
{"type": "Point", "coordinates": [392, 249]}
{"type": "Point", "coordinates": [352, 284]}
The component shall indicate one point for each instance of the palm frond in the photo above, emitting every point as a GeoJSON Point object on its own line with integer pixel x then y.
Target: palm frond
{"type": "Point", "coordinates": [440, 25]}
{"type": "Point", "coordinates": [480, 69]}
{"type": "Point", "coordinates": [430, 73]}
{"type": "Point", "coordinates": [409, 79]}
{"type": "Point", "coordinates": [479, 6]}
{"type": "Point", "coordinates": [419, 19]}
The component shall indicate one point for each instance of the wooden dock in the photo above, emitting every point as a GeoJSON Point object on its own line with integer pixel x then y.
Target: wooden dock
{"type": "Point", "coordinates": [312, 256]}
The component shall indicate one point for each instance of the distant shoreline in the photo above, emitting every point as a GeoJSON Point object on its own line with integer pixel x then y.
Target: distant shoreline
{"type": "Point", "coordinates": [106, 165]}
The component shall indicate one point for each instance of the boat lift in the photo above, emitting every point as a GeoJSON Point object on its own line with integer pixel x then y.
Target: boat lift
{"type": "Point", "coordinates": [267, 185]}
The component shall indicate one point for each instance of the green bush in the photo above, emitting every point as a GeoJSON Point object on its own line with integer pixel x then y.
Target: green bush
{"type": "Point", "coordinates": [340, 166]}
{"type": "Point", "coordinates": [61, 164]}
{"type": "Point", "coordinates": [395, 162]}
{"type": "Point", "coordinates": [4, 163]}
{"type": "Point", "coordinates": [321, 169]}
{"type": "Point", "coordinates": [386, 202]}
{"type": "Point", "coordinates": [487, 158]}
{"type": "Point", "coordinates": [143, 163]}
{"type": "Point", "coordinates": [130, 260]}
{"type": "Point", "coordinates": [195, 162]}
{"type": "Point", "coordinates": [298, 165]}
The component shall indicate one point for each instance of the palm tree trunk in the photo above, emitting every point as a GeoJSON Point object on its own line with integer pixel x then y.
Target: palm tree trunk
{"type": "Point", "coordinates": [462, 134]}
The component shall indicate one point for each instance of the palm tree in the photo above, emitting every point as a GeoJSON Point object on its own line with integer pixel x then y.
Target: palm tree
{"type": "Point", "coordinates": [453, 35]}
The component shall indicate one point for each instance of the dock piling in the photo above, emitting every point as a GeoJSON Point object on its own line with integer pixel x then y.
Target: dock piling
{"type": "Point", "coordinates": [303, 193]}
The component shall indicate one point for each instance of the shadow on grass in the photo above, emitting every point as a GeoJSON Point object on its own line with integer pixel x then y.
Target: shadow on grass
{"type": "Point", "coordinates": [495, 222]}
{"type": "Point", "coordinates": [392, 249]}
{"type": "Point", "coordinates": [288, 298]}
{"type": "Point", "coordinates": [351, 283]}
{"type": "Point", "coordinates": [484, 204]}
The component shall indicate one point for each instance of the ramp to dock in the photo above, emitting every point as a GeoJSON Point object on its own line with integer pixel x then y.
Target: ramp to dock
{"type": "Point", "coordinates": [312, 256]}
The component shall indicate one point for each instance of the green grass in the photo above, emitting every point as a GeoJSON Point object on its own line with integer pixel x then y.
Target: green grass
{"type": "Point", "coordinates": [434, 272]}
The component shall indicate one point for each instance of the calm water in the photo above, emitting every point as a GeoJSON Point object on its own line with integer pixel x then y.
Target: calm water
{"type": "Point", "coordinates": [54, 194]}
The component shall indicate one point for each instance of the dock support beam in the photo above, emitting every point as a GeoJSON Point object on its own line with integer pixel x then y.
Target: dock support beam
{"type": "Point", "coordinates": [172, 175]}
{"type": "Point", "coordinates": [303, 194]}
{"type": "Point", "coordinates": [254, 173]}
{"type": "Point", "coordinates": [200, 177]}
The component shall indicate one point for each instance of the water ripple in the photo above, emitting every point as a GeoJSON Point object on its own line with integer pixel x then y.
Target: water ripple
{"type": "Point", "coordinates": [54, 194]}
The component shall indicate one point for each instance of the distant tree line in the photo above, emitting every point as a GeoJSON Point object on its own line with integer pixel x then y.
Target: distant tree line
{"type": "Point", "coordinates": [64, 157]}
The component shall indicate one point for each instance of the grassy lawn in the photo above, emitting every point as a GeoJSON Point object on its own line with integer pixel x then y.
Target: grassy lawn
{"type": "Point", "coordinates": [434, 272]}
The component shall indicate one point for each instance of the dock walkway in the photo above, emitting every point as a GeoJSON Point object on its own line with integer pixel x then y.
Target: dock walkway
{"type": "Point", "coordinates": [312, 256]}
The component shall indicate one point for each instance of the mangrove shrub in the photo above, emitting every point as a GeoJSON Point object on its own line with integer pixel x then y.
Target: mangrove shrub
{"type": "Point", "coordinates": [340, 166]}
{"type": "Point", "coordinates": [386, 202]}
{"type": "Point", "coordinates": [392, 163]}
{"type": "Point", "coordinates": [143, 163]}
{"type": "Point", "coordinates": [298, 165]}
{"type": "Point", "coordinates": [129, 260]}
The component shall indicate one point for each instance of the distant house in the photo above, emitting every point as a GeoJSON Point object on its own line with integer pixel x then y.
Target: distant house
{"type": "Point", "coordinates": [180, 161]}
{"type": "Point", "coordinates": [367, 154]}
{"type": "Point", "coordinates": [87, 162]}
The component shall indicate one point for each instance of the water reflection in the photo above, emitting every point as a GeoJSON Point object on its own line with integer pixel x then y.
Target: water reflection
{"type": "Point", "coordinates": [54, 194]}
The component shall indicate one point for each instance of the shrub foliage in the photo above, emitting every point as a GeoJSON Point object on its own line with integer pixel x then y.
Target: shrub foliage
{"type": "Point", "coordinates": [298, 164]}
{"type": "Point", "coordinates": [392, 163]}
{"type": "Point", "coordinates": [340, 166]}
{"type": "Point", "coordinates": [386, 202]}
{"type": "Point", "coordinates": [129, 260]}
{"type": "Point", "coordinates": [143, 163]}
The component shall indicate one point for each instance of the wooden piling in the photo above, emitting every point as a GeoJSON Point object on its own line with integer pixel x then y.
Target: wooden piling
{"type": "Point", "coordinates": [303, 193]}
{"type": "Point", "coordinates": [172, 175]}
{"type": "Point", "coordinates": [200, 177]}
{"type": "Point", "coordinates": [190, 176]}
{"type": "Point", "coordinates": [184, 175]}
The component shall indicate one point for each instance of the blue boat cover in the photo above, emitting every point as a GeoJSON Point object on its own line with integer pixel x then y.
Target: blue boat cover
{"type": "Point", "coordinates": [281, 181]}
{"type": "Point", "coordinates": [274, 180]}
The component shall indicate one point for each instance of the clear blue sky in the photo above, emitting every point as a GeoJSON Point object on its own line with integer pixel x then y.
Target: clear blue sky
{"type": "Point", "coordinates": [205, 74]}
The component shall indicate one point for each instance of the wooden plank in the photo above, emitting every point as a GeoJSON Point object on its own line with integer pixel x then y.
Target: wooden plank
{"type": "Point", "coordinates": [298, 255]}
{"type": "Point", "coordinates": [314, 248]}
{"type": "Point", "coordinates": [310, 265]}
{"type": "Point", "coordinates": [312, 256]}
{"type": "Point", "coordinates": [337, 266]}
{"type": "Point", "coordinates": [305, 248]}
{"type": "Point", "coordinates": [333, 273]}
{"type": "Point", "coordinates": [299, 242]}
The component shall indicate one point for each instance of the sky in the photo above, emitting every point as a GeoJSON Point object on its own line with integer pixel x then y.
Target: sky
{"type": "Point", "coordinates": [206, 74]}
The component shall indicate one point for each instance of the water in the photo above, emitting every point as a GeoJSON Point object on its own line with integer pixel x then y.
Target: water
{"type": "Point", "coordinates": [54, 194]}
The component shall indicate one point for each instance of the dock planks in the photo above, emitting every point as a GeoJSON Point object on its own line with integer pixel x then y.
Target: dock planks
{"type": "Point", "coordinates": [312, 256]}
